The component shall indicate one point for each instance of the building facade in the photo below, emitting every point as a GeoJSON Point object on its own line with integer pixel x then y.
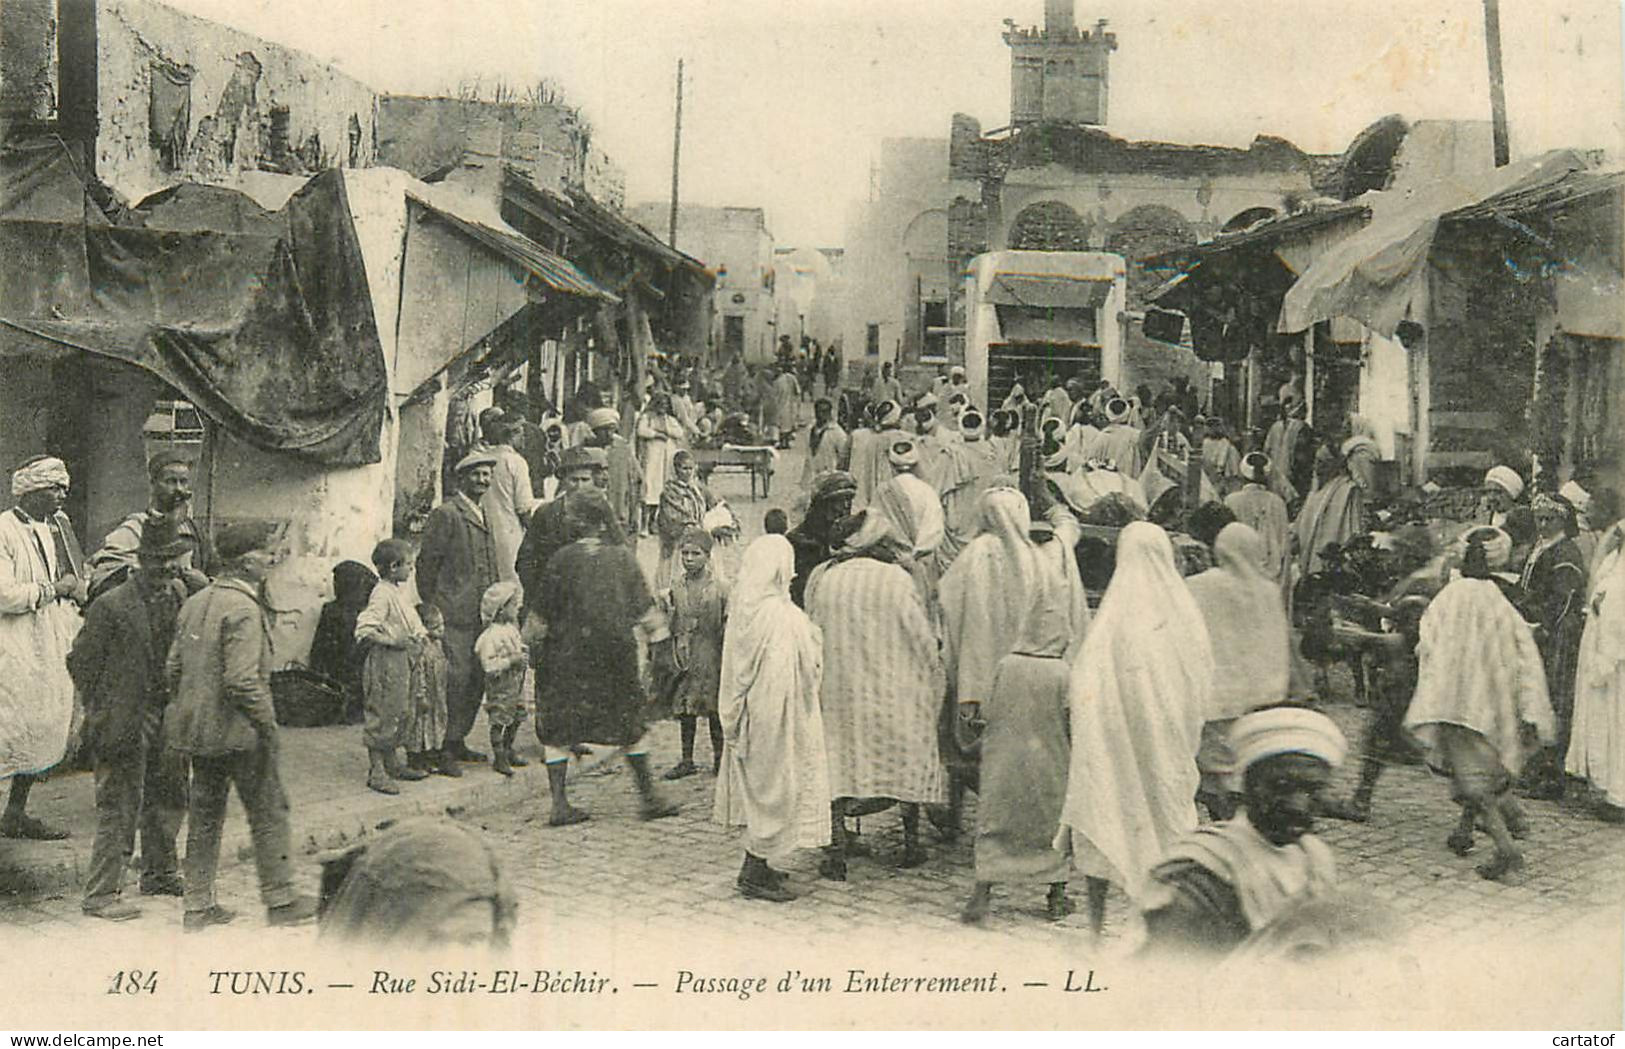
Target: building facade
{"type": "Point", "coordinates": [735, 244]}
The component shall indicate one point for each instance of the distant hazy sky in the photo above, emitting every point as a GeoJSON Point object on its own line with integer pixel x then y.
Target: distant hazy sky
{"type": "Point", "coordinates": [787, 100]}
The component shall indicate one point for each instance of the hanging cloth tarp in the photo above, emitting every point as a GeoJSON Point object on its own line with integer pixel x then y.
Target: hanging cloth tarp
{"type": "Point", "coordinates": [264, 320]}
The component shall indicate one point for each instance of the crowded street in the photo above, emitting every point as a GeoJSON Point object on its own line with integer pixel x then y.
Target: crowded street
{"type": "Point", "coordinates": [681, 870]}
{"type": "Point", "coordinates": [993, 516]}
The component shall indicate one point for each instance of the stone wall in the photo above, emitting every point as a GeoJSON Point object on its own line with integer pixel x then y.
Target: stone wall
{"type": "Point", "coordinates": [183, 98]}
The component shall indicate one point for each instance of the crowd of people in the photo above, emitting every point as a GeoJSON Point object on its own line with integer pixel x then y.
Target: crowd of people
{"type": "Point", "coordinates": [925, 629]}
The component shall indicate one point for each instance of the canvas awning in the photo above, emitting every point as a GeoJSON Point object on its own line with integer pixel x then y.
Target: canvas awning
{"type": "Point", "coordinates": [263, 319]}
{"type": "Point", "coordinates": [1378, 275]}
{"type": "Point", "coordinates": [1047, 291]}
{"type": "Point", "coordinates": [552, 270]}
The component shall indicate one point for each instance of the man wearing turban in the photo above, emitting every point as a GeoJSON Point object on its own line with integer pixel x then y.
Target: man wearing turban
{"type": "Point", "coordinates": [41, 590]}
{"type": "Point", "coordinates": [1261, 883]}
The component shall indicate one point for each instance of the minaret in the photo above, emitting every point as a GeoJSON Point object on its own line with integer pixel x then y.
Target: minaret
{"type": "Point", "coordinates": [1058, 74]}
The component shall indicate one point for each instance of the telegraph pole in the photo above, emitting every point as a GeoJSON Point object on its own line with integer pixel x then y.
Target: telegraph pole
{"type": "Point", "coordinates": [677, 153]}
{"type": "Point", "coordinates": [1498, 98]}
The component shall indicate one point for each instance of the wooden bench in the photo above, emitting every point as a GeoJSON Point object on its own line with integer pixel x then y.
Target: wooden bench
{"type": "Point", "coordinates": [759, 461]}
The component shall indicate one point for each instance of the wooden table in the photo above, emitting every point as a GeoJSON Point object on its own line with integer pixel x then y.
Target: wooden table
{"type": "Point", "coordinates": [759, 461]}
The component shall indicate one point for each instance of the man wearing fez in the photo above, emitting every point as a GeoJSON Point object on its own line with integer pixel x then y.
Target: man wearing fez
{"type": "Point", "coordinates": [457, 561]}
{"type": "Point", "coordinates": [41, 589]}
{"type": "Point", "coordinates": [220, 717]}
{"type": "Point", "coordinates": [169, 479]}
{"type": "Point", "coordinates": [117, 663]}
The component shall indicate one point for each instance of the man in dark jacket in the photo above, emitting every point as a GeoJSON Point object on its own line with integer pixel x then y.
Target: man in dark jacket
{"type": "Point", "coordinates": [457, 561]}
{"type": "Point", "coordinates": [117, 664]}
{"type": "Point", "coordinates": [220, 716]}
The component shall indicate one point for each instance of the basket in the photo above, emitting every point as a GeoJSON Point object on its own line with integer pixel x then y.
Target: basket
{"type": "Point", "coordinates": [304, 698]}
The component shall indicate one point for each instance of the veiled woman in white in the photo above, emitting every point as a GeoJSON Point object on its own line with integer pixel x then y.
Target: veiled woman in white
{"type": "Point", "coordinates": [1139, 695]}
{"type": "Point", "coordinates": [774, 779]}
{"type": "Point", "coordinates": [1015, 612]}
{"type": "Point", "coordinates": [1597, 742]}
{"type": "Point", "coordinates": [1251, 644]}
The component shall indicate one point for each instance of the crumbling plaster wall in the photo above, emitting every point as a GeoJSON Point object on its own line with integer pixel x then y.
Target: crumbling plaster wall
{"type": "Point", "coordinates": [238, 85]}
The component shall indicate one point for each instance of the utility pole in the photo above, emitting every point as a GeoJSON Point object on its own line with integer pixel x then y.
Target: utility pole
{"type": "Point", "coordinates": [1498, 98]}
{"type": "Point", "coordinates": [677, 153]}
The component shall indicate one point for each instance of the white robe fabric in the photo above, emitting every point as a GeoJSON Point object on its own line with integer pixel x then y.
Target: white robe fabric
{"type": "Point", "coordinates": [883, 684]}
{"type": "Point", "coordinates": [985, 594]}
{"type": "Point", "coordinates": [871, 465]}
{"type": "Point", "coordinates": [36, 631]}
{"type": "Point", "coordinates": [1139, 694]}
{"type": "Point", "coordinates": [774, 778]}
{"type": "Point", "coordinates": [1597, 742]}
{"type": "Point", "coordinates": [1479, 668]}
{"type": "Point", "coordinates": [1246, 626]}
{"type": "Point", "coordinates": [507, 506]}
{"type": "Point", "coordinates": [660, 438]}
{"type": "Point", "coordinates": [947, 466]}
{"type": "Point", "coordinates": [1117, 444]}
{"type": "Point", "coordinates": [1265, 513]}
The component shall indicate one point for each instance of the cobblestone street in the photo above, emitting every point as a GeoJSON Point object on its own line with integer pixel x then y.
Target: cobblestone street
{"type": "Point", "coordinates": [618, 873]}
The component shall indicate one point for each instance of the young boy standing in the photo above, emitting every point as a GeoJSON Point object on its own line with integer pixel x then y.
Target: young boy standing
{"type": "Point", "coordinates": [698, 608]}
{"type": "Point", "coordinates": [390, 628]}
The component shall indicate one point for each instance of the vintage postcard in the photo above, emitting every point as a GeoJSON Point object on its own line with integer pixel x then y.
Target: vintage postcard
{"type": "Point", "coordinates": [801, 514]}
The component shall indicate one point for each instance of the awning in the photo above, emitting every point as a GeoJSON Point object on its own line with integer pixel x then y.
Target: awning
{"type": "Point", "coordinates": [578, 215]}
{"type": "Point", "coordinates": [1047, 291]}
{"type": "Point", "coordinates": [556, 272]}
{"type": "Point", "coordinates": [1377, 275]}
{"type": "Point", "coordinates": [1263, 234]}
{"type": "Point", "coordinates": [263, 319]}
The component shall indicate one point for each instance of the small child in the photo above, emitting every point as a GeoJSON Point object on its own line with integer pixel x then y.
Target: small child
{"type": "Point", "coordinates": [426, 727]}
{"type": "Point", "coordinates": [698, 608]}
{"type": "Point", "coordinates": [776, 522]}
{"type": "Point", "coordinates": [393, 634]}
{"type": "Point", "coordinates": [503, 655]}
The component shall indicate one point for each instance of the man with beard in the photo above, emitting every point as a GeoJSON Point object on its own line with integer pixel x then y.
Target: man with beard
{"type": "Point", "coordinates": [817, 537]}
{"type": "Point", "coordinates": [1251, 878]}
{"type": "Point", "coordinates": [117, 663]}
{"type": "Point", "coordinates": [169, 478]}
{"type": "Point", "coordinates": [40, 590]}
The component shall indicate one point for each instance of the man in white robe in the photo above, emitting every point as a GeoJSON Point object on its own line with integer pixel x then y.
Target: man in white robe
{"type": "Point", "coordinates": [828, 448]}
{"type": "Point", "coordinates": [510, 501]}
{"type": "Point", "coordinates": [774, 775]}
{"type": "Point", "coordinates": [1119, 442]}
{"type": "Point", "coordinates": [1262, 510]}
{"type": "Point", "coordinates": [1597, 741]}
{"type": "Point", "coordinates": [1262, 886]}
{"type": "Point", "coordinates": [41, 589]}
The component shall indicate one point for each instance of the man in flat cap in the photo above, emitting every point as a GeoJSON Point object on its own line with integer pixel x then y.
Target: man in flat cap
{"type": "Point", "coordinates": [623, 475]}
{"type": "Point", "coordinates": [221, 718]}
{"type": "Point", "coordinates": [457, 561]}
{"type": "Point", "coordinates": [1260, 876]}
{"type": "Point", "coordinates": [117, 662]}
{"type": "Point", "coordinates": [41, 589]}
{"type": "Point", "coordinates": [169, 482]}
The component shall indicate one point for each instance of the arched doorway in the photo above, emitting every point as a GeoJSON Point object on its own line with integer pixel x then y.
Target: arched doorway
{"type": "Point", "coordinates": [1049, 226]}
{"type": "Point", "coordinates": [1140, 233]}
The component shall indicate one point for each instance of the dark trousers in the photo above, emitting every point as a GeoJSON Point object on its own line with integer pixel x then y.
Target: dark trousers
{"type": "Point", "coordinates": [465, 682]}
{"type": "Point", "coordinates": [259, 787]}
{"type": "Point", "coordinates": [143, 789]}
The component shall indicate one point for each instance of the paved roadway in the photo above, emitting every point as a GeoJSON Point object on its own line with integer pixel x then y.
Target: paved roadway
{"type": "Point", "coordinates": [618, 873]}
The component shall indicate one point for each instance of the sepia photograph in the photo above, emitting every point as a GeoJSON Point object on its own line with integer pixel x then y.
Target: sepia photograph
{"type": "Point", "coordinates": [889, 515]}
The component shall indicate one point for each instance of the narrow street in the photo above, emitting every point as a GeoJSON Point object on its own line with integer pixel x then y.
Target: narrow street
{"type": "Point", "coordinates": [624, 877]}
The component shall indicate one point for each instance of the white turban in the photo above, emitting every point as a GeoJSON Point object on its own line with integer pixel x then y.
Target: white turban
{"type": "Point", "coordinates": [1284, 730]}
{"type": "Point", "coordinates": [38, 475]}
{"type": "Point", "coordinates": [598, 418]}
{"type": "Point", "coordinates": [1578, 497]}
{"type": "Point", "coordinates": [1506, 479]}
